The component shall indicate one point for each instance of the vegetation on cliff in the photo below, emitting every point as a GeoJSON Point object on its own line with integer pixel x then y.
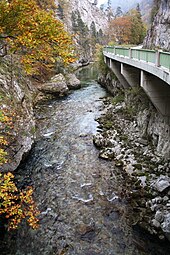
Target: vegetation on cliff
{"type": "Point", "coordinates": [15, 205]}
{"type": "Point", "coordinates": [31, 35]}
{"type": "Point", "coordinates": [128, 28]}
{"type": "Point", "coordinates": [35, 35]}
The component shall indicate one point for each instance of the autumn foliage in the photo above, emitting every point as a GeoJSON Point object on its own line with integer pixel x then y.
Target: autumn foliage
{"type": "Point", "coordinates": [120, 29]}
{"type": "Point", "coordinates": [15, 205]}
{"type": "Point", "coordinates": [34, 34]}
{"type": "Point", "coordinates": [127, 29]}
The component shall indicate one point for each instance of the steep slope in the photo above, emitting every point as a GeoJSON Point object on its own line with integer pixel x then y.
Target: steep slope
{"type": "Point", "coordinates": [146, 7]}
{"type": "Point", "coordinates": [89, 12]}
{"type": "Point", "coordinates": [86, 22]}
{"type": "Point", "coordinates": [158, 35]}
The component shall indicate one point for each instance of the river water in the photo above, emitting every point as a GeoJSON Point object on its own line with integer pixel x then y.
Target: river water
{"type": "Point", "coordinates": [77, 193]}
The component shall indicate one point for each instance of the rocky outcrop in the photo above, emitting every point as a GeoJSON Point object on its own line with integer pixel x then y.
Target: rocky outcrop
{"type": "Point", "coordinates": [150, 122]}
{"type": "Point", "coordinates": [59, 85]}
{"type": "Point", "coordinates": [159, 32]}
{"type": "Point", "coordinates": [56, 86]}
{"type": "Point", "coordinates": [89, 13]}
{"type": "Point", "coordinates": [136, 137]}
{"type": "Point", "coordinates": [16, 101]}
{"type": "Point", "coordinates": [72, 81]}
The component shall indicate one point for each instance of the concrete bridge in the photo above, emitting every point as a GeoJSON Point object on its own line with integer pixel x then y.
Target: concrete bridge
{"type": "Point", "coordinates": [146, 68]}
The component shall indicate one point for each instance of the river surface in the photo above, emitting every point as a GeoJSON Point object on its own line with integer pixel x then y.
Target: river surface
{"type": "Point", "coordinates": [77, 193]}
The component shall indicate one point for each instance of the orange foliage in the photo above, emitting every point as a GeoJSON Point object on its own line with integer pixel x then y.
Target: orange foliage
{"type": "Point", "coordinates": [35, 35]}
{"type": "Point", "coordinates": [15, 205]}
{"type": "Point", "coordinates": [120, 29]}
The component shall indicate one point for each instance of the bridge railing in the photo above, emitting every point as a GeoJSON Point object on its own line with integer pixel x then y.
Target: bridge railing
{"type": "Point", "coordinates": [158, 58]}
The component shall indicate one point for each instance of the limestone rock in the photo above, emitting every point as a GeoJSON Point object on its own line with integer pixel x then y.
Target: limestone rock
{"type": "Point", "coordinates": [159, 216]}
{"type": "Point", "coordinates": [166, 225]}
{"type": "Point", "coordinates": [162, 183]}
{"type": "Point", "coordinates": [88, 11]}
{"type": "Point", "coordinates": [160, 29]}
{"type": "Point", "coordinates": [155, 223]}
{"type": "Point", "coordinates": [72, 81]}
{"type": "Point", "coordinates": [17, 100]}
{"type": "Point", "coordinates": [57, 86]}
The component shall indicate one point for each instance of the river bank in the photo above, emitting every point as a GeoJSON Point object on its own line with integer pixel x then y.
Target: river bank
{"type": "Point", "coordinates": [84, 210]}
{"type": "Point", "coordinates": [145, 171]}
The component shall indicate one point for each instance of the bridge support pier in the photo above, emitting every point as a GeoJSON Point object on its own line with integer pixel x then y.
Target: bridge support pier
{"type": "Point", "coordinates": [116, 68]}
{"type": "Point", "coordinates": [131, 74]}
{"type": "Point", "coordinates": [158, 92]}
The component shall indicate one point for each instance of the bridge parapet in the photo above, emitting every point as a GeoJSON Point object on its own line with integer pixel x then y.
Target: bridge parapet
{"type": "Point", "coordinates": [146, 68]}
{"type": "Point", "coordinates": [158, 58]}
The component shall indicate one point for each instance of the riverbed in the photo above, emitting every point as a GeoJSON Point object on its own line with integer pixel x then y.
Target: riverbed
{"type": "Point", "coordinates": [79, 195]}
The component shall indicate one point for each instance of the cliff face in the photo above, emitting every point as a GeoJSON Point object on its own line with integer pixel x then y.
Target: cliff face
{"type": "Point", "coordinates": [16, 102]}
{"type": "Point", "coordinates": [158, 35]}
{"type": "Point", "coordinates": [89, 13]}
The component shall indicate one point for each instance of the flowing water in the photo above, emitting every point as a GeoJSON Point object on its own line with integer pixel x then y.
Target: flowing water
{"type": "Point", "coordinates": [77, 193]}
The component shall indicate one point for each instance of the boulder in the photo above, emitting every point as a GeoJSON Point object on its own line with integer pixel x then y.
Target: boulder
{"type": "Point", "coordinates": [166, 226]}
{"type": "Point", "coordinates": [56, 86]}
{"type": "Point", "coordinates": [162, 183]}
{"type": "Point", "coordinates": [72, 81]}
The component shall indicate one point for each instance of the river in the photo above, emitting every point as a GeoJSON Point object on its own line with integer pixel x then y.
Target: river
{"type": "Point", "coordinates": [82, 212]}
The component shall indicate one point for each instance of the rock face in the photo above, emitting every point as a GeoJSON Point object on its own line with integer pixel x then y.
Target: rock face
{"type": "Point", "coordinates": [88, 12]}
{"type": "Point", "coordinates": [16, 92]}
{"type": "Point", "coordinates": [151, 123]}
{"type": "Point", "coordinates": [136, 138]}
{"type": "Point", "coordinates": [160, 30]}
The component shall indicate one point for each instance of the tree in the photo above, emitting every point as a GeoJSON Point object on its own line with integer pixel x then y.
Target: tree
{"type": "Point", "coordinates": [128, 29]}
{"type": "Point", "coordinates": [120, 30]}
{"type": "Point", "coordinates": [15, 205]}
{"type": "Point", "coordinates": [34, 34]}
{"type": "Point", "coordinates": [93, 29]}
{"type": "Point", "coordinates": [102, 7]}
{"type": "Point", "coordinates": [119, 12]}
{"type": "Point", "coordinates": [138, 29]}
{"type": "Point", "coordinates": [109, 3]}
{"type": "Point", "coordinates": [95, 2]}
{"type": "Point", "coordinates": [138, 8]}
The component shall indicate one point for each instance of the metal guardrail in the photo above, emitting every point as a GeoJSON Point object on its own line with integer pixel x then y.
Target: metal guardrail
{"type": "Point", "coordinates": [158, 58]}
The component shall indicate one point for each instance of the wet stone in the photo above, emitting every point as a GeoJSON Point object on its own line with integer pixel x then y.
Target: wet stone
{"type": "Point", "coordinates": [86, 233]}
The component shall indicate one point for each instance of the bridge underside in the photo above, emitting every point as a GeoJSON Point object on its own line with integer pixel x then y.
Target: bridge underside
{"type": "Point", "coordinates": [157, 90]}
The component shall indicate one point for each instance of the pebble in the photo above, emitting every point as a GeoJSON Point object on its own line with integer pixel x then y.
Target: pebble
{"type": "Point", "coordinates": [159, 216]}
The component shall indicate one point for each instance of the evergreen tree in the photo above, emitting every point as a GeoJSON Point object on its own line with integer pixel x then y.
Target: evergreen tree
{"type": "Point", "coordinates": [60, 12]}
{"type": "Point", "coordinates": [138, 8]}
{"type": "Point", "coordinates": [93, 29]}
{"type": "Point", "coordinates": [109, 3]}
{"type": "Point", "coordinates": [119, 12]}
{"type": "Point", "coordinates": [138, 29]}
{"type": "Point", "coordinates": [95, 2]}
{"type": "Point", "coordinates": [74, 22]}
{"type": "Point", "coordinates": [102, 7]}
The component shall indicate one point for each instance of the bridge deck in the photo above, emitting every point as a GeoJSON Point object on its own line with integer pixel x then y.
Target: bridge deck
{"type": "Point", "coordinates": [154, 62]}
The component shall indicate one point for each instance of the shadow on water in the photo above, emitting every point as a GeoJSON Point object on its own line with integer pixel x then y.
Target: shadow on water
{"type": "Point", "coordinates": [77, 193]}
